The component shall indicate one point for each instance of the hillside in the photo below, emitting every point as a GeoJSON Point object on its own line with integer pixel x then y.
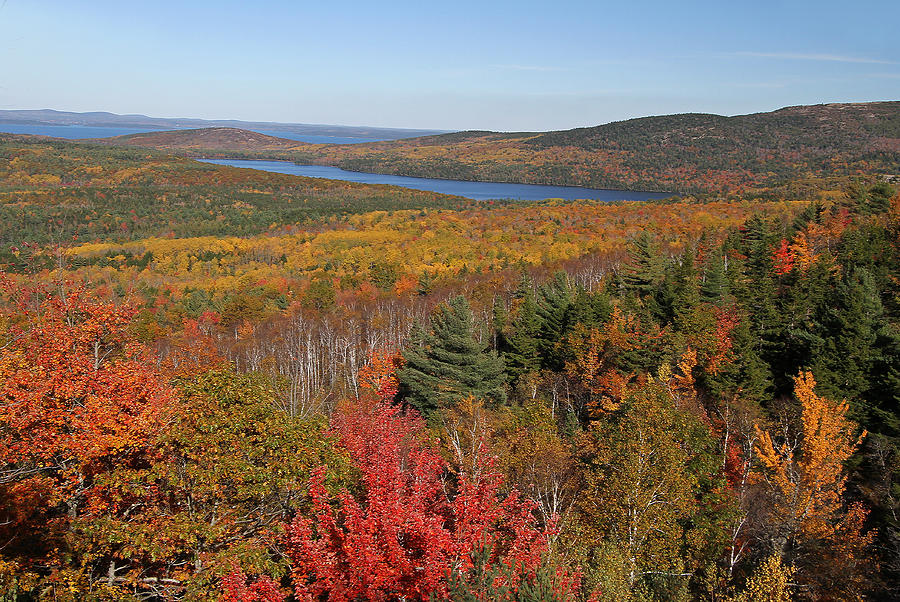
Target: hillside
{"type": "Point", "coordinates": [683, 153]}
{"type": "Point", "coordinates": [220, 138]}
{"type": "Point", "coordinates": [689, 153]}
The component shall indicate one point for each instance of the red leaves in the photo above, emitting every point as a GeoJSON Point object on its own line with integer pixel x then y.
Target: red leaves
{"type": "Point", "coordinates": [405, 533]}
{"type": "Point", "coordinates": [727, 319]}
{"type": "Point", "coordinates": [237, 589]}
{"type": "Point", "coordinates": [783, 259]}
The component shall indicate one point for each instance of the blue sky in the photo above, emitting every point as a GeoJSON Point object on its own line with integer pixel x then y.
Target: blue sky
{"type": "Point", "coordinates": [448, 65]}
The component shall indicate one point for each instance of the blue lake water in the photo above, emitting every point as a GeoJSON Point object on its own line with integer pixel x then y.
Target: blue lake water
{"type": "Point", "coordinates": [479, 191]}
{"type": "Point", "coordinates": [70, 132]}
{"type": "Point", "coordinates": [76, 132]}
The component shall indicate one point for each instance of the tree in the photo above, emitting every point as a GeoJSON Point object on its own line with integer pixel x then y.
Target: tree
{"type": "Point", "coordinates": [447, 364]}
{"type": "Point", "coordinates": [805, 477]}
{"type": "Point", "coordinates": [214, 492]}
{"type": "Point", "coordinates": [78, 397]}
{"type": "Point", "coordinates": [403, 534]}
{"type": "Point", "coordinates": [554, 300]}
{"type": "Point", "coordinates": [645, 272]}
{"type": "Point", "coordinates": [650, 476]}
{"type": "Point", "coordinates": [715, 284]}
{"type": "Point", "coordinates": [524, 355]}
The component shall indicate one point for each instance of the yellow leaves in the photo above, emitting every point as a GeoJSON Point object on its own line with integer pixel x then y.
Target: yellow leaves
{"type": "Point", "coordinates": [770, 582]}
{"type": "Point", "coordinates": [807, 475]}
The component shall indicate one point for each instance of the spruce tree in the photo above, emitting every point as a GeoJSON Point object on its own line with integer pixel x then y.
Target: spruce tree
{"type": "Point", "coordinates": [554, 301]}
{"type": "Point", "coordinates": [645, 271]}
{"type": "Point", "coordinates": [447, 364]}
{"type": "Point", "coordinates": [523, 355]}
{"type": "Point", "coordinates": [851, 320]}
{"type": "Point", "coordinates": [715, 286]}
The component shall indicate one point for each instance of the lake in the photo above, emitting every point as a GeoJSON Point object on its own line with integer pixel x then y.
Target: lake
{"type": "Point", "coordinates": [479, 191]}
{"type": "Point", "coordinates": [77, 132]}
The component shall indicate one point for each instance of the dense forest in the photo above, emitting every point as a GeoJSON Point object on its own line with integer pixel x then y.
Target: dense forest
{"type": "Point", "coordinates": [689, 153]}
{"type": "Point", "coordinates": [223, 384]}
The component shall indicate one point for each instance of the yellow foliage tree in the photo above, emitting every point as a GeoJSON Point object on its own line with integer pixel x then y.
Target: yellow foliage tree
{"type": "Point", "coordinates": [806, 479]}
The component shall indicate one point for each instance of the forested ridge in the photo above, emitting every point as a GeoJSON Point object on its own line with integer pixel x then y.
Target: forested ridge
{"type": "Point", "coordinates": [687, 153]}
{"type": "Point", "coordinates": [223, 384]}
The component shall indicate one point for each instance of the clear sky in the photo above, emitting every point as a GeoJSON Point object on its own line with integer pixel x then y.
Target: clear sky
{"type": "Point", "coordinates": [445, 65]}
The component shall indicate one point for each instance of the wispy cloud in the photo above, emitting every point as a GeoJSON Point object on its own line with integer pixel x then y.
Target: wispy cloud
{"type": "Point", "coordinates": [799, 56]}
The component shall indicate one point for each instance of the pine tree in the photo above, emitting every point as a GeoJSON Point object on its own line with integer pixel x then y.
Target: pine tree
{"type": "Point", "coordinates": [687, 293]}
{"type": "Point", "coordinates": [715, 285]}
{"type": "Point", "coordinates": [645, 271]}
{"type": "Point", "coordinates": [524, 355]}
{"type": "Point", "coordinates": [554, 300]}
{"type": "Point", "coordinates": [850, 321]}
{"type": "Point", "coordinates": [447, 364]}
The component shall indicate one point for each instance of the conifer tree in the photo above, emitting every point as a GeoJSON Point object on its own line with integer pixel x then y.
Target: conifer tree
{"type": "Point", "coordinates": [687, 293]}
{"type": "Point", "coordinates": [554, 300]}
{"type": "Point", "coordinates": [850, 323]}
{"type": "Point", "coordinates": [645, 272]}
{"type": "Point", "coordinates": [524, 355]}
{"type": "Point", "coordinates": [447, 364]}
{"type": "Point", "coordinates": [715, 285]}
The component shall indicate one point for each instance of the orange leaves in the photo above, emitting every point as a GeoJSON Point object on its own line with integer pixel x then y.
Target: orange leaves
{"type": "Point", "coordinates": [807, 477]}
{"type": "Point", "coordinates": [76, 391]}
{"type": "Point", "coordinates": [594, 352]}
{"type": "Point", "coordinates": [380, 374]}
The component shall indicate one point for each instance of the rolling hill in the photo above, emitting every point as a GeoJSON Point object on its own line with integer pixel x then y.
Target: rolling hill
{"type": "Point", "coordinates": [221, 138]}
{"type": "Point", "coordinates": [686, 153]}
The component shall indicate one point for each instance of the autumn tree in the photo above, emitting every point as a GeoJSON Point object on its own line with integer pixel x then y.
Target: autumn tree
{"type": "Point", "coordinates": [78, 397]}
{"type": "Point", "coordinates": [214, 493]}
{"type": "Point", "coordinates": [805, 475]}
{"type": "Point", "coordinates": [402, 535]}
{"type": "Point", "coordinates": [650, 473]}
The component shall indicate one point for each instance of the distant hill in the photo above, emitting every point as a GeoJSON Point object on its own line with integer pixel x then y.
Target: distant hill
{"type": "Point", "coordinates": [687, 153]}
{"type": "Point", "coordinates": [205, 138]}
{"type": "Point", "coordinates": [104, 119]}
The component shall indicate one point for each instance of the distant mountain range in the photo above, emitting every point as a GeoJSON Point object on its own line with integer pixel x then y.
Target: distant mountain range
{"type": "Point", "coordinates": [104, 119]}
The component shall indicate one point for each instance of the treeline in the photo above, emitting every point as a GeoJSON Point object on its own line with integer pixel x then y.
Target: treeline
{"type": "Point", "coordinates": [54, 191]}
{"type": "Point", "coordinates": [670, 427]}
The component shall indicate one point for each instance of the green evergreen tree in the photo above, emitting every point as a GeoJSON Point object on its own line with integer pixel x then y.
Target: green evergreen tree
{"type": "Point", "coordinates": [714, 286]}
{"type": "Point", "coordinates": [524, 355]}
{"type": "Point", "coordinates": [554, 300]}
{"type": "Point", "coordinates": [687, 293]}
{"type": "Point", "coordinates": [851, 320]}
{"type": "Point", "coordinates": [447, 364]}
{"type": "Point", "coordinates": [645, 271]}
{"type": "Point", "coordinates": [590, 308]}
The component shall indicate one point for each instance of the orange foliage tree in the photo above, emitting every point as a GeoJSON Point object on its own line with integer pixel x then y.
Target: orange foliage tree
{"type": "Point", "coordinates": [78, 397]}
{"type": "Point", "coordinates": [805, 476]}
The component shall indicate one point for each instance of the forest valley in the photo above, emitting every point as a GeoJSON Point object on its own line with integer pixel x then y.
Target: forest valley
{"type": "Point", "coordinates": [222, 384]}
